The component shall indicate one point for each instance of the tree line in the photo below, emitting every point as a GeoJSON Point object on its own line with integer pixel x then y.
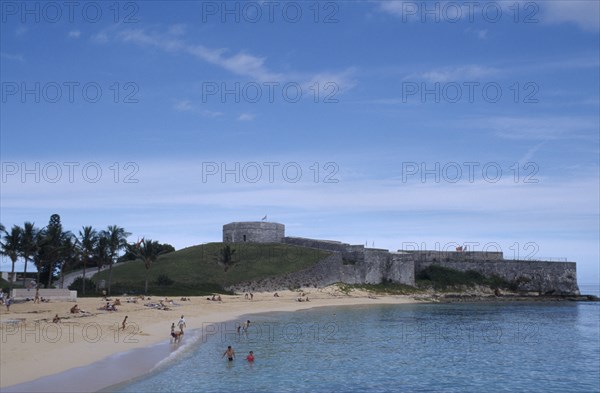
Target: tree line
{"type": "Point", "coordinates": [54, 251]}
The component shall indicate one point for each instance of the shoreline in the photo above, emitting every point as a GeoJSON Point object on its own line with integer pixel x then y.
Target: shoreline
{"type": "Point", "coordinates": [92, 348]}
{"type": "Point", "coordinates": [38, 352]}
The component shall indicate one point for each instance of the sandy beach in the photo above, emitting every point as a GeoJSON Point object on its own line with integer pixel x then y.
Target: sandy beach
{"type": "Point", "coordinates": [32, 346]}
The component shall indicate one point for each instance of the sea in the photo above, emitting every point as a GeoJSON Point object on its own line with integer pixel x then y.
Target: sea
{"type": "Point", "coordinates": [549, 346]}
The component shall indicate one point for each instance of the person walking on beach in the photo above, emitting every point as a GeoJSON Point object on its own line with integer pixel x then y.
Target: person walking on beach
{"type": "Point", "coordinates": [181, 324]}
{"type": "Point", "coordinates": [8, 303]}
{"type": "Point", "coordinates": [37, 296]}
{"type": "Point", "coordinates": [230, 353]}
{"type": "Point", "coordinates": [124, 323]}
{"type": "Point", "coordinates": [176, 336]}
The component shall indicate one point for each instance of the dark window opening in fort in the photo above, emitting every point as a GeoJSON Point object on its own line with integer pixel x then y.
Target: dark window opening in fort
{"type": "Point", "coordinates": [244, 237]}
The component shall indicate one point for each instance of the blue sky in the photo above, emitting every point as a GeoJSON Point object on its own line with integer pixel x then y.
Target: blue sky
{"type": "Point", "coordinates": [396, 124]}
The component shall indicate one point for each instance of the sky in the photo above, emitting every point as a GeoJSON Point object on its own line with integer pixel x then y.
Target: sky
{"type": "Point", "coordinates": [396, 124]}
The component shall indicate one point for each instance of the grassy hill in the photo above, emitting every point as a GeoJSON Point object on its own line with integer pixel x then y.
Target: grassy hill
{"type": "Point", "coordinates": [197, 270]}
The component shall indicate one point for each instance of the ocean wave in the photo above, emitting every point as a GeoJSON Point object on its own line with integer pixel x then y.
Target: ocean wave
{"type": "Point", "coordinates": [181, 349]}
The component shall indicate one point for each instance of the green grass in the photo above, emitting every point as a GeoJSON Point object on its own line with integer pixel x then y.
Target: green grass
{"type": "Point", "coordinates": [387, 288]}
{"type": "Point", "coordinates": [439, 277]}
{"type": "Point", "coordinates": [196, 270]}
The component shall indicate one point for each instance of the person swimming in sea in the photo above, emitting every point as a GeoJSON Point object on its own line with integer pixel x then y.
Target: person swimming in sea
{"type": "Point", "coordinates": [230, 353]}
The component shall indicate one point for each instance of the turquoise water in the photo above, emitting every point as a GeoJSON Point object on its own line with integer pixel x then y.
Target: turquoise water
{"type": "Point", "coordinates": [503, 347]}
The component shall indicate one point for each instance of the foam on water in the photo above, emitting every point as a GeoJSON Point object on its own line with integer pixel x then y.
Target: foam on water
{"type": "Point", "coordinates": [190, 340]}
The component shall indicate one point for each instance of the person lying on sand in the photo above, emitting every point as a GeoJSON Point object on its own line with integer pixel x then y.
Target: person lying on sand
{"type": "Point", "coordinates": [56, 319]}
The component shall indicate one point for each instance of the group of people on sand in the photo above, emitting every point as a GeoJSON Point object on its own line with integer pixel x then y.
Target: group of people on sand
{"type": "Point", "coordinates": [230, 353]}
{"type": "Point", "coordinates": [76, 310]}
{"type": "Point", "coordinates": [249, 296]}
{"type": "Point", "coordinates": [109, 307]}
{"type": "Point", "coordinates": [303, 297]}
{"type": "Point", "coordinates": [37, 298]}
{"type": "Point", "coordinates": [177, 336]}
{"type": "Point", "coordinates": [161, 304]}
{"type": "Point", "coordinates": [215, 298]}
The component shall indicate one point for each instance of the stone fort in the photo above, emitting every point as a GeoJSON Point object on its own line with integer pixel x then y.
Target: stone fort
{"type": "Point", "coordinates": [357, 264]}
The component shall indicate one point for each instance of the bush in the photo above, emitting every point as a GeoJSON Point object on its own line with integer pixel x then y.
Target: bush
{"type": "Point", "coordinates": [440, 277]}
{"type": "Point", "coordinates": [164, 281]}
{"type": "Point", "coordinates": [90, 287]}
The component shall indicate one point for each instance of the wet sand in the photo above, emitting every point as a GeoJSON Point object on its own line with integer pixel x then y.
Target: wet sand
{"type": "Point", "coordinates": [38, 355]}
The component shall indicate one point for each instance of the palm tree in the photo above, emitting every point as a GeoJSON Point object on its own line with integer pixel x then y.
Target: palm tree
{"type": "Point", "coordinates": [70, 254]}
{"type": "Point", "coordinates": [148, 251]}
{"type": "Point", "coordinates": [28, 245]}
{"type": "Point", "coordinates": [226, 257]}
{"type": "Point", "coordinates": [53, 244]}
{"type": "Point", "coordinates": [87, 242]}
{"type": "Point", "coordinates": [11, 248]}
{"type": "Point", "coordinates": [38, 255]}
{"type": "Point", "coordinates": [117, 240]}
{"type": "Point", "coordinates": [101, 252]}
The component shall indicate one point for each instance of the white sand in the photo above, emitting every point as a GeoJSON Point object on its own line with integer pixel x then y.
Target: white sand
{"type": "Point", "coordinates": [32, 346]}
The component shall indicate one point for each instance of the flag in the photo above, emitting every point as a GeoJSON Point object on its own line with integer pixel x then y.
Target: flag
{"type": "Point", "coordinates": [264, 218]}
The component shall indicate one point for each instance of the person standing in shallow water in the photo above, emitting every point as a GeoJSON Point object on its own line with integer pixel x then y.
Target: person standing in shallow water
{"type": "Point", "coordinates": [250, 357]}
{"type": "Point", "coordinates": [230, 353]}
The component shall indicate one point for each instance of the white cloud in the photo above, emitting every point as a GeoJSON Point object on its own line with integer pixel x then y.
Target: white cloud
{"type": "Point", "coordinates": [246, 117]}
{"type": "Point", "coordinates": [461, 73]}
{"type": "Point", "coordinates": [583, 13]}
{"type": "Point", "coordinates": [74, 34]}
{"type": "Point", "coordinates": [183, 106]}
{"type": "Point", "coordinates": [10, 56]}
{"type": "Point", "coordinates": [330, 83]}
{"type": "Point", "coordinates": [542, 128]}
{"type": "Point", "coordinates": [177, 30]}
{"type": "Point", "coordinates": [100, 38]}
{"type": "Point", "coordinates": [394, 7]}
{"type": "Point", "coordinates": [188, 106]}
{"type": "Point", "coordinates": [241, 63]}
{"type": "Point", "coordinates": [479, 33]}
